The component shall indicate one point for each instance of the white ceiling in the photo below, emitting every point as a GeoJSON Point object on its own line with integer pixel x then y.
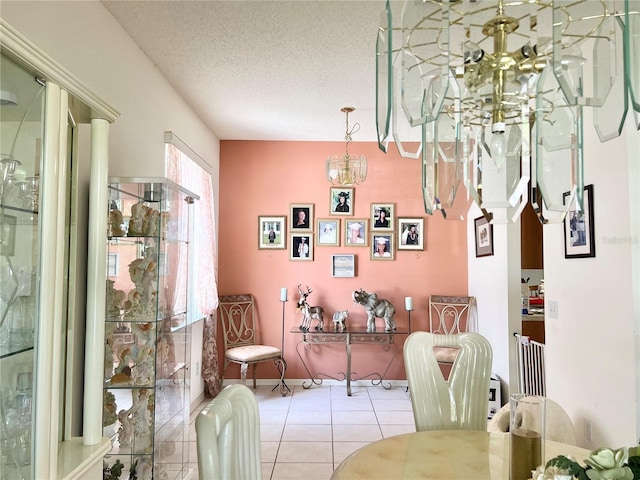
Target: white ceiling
{"type": "Point", "coordinates": [264, 70]}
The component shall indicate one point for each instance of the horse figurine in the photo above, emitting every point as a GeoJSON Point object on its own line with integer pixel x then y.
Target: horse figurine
{"type": "Point", "coordinates": [309, 312]}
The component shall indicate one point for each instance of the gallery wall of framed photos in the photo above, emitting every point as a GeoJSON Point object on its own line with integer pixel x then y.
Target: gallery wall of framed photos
{"type": "Point", "coordinates": [262, 182]}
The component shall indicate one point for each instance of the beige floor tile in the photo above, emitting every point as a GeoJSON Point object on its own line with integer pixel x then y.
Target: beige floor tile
{"type": "Point", "coordinates": [393, 392]}
{"type": "Point", "coordinates": [296, 471]}
{"type": "Point", "coordinates": [357, 417]}
{"type": "Point", "coordinates": [305, 452]}
{"type": "Point", "coordinates": [267, 470]}
{"type": "Point", "coordinates": [309, 417]}
{"type": "Point", "coordinates": [392, 430]}
{"type": "Point", "coordinates": [395, 418]}
{"type": "Point", "coordinates": [268, 451]}
{"type": "Point", "coordinates": [342, 450]}
{"type": "Point", "coordinates": [271, 433]}
{"type": "Point", "coordinates": [392, 404]}
{"type": "Point", "coordinates": [273, 417]}
{"type": "Point", "coordinates": [356, 433]}
{"type": "Point", "coordinates": [351, 403]}
{"type": "Point", "coordinates": [306, 433]}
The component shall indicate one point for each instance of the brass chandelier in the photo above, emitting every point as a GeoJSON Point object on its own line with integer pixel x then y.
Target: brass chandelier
{"type": "Point", "coordinates": [493, 91]}
{"type": "Point", "coordinates": [347, 169]}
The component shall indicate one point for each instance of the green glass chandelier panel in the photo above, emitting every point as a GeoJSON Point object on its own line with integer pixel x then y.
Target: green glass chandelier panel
{"type": "Point", "coordinates": [490, 81]}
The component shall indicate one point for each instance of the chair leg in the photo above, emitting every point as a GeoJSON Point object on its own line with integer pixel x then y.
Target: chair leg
{"type": "Point", "coordinates": [255, 365]}
{"type": "Point", "coordinates": [243, 372]}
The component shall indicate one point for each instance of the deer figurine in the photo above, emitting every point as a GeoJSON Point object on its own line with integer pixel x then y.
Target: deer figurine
{"type": "Point", "coordinates": [309, 312]}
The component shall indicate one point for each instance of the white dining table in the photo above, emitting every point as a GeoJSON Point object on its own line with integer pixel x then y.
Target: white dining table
{"type": "Point", "coordinates": [441, 455]}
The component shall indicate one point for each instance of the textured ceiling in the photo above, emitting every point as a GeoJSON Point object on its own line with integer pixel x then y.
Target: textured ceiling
{"type": "Point", "coordinates": [264, 70]}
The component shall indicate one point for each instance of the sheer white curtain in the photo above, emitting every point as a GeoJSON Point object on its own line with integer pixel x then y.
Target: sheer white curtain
{"type": "Point", "coordinates": [183, 169]}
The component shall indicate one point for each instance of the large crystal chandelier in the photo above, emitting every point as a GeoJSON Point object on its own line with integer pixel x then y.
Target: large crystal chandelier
{"type": "Point", "coordinates": [494, 91]}
{"type": "Point", "coordinates": [347, 169]}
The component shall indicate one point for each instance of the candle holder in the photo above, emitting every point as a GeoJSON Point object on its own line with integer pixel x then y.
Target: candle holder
{"type": "Point", "coordinates": [283, 385]}
{"type": "Point", "coordinates": [408, 306]}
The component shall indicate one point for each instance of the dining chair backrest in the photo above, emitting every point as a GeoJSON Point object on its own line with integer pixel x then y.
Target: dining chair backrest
{"type": "Point", "coordinates": [228, 436]}
{"type": "Point", "coordinates": [237, 315]}
{"type": "Point", "coordinates": [462, 401]}
{"type": "Point", "coordinates": [450, 314]}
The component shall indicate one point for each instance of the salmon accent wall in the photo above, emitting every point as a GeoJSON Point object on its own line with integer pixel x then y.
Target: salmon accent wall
{"type": "Point", "coordinates": [263, 178]}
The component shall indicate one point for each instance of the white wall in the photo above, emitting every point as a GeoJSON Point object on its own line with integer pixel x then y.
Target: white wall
{"type": "Point", "coordinates": [86, 40]}
{"type": "Point", "coordinates": [592, 349]}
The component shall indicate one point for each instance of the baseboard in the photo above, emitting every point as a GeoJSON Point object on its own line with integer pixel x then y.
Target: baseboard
{"type": "Point", "coordinates": [292, 382]}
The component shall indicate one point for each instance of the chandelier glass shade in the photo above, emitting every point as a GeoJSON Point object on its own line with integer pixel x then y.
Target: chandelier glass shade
{"type": "Point", "coordinates": [347, 169]}
{"type": "Point", "coordinates": [492, 92]}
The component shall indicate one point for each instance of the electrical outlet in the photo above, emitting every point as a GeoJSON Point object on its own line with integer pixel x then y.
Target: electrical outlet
{"type": "Point", "coordinates": [197, 368]}
{"type": "Point", "coordinates": [553, 309]}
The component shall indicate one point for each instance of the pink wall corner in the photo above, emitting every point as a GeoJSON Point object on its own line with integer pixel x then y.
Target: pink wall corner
{"type": "Point", "coordinates": [264, 178]}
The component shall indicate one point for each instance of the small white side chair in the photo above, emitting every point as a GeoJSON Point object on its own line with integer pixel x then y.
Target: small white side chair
{"type": "Point", "coordinates": [462, 401]}
{"type": "Point", "coordinates": [558, 424]}
{"type": "Point", "coordinates": [228, 436]}
{"type": "Point", "coordinates": [449, 315]}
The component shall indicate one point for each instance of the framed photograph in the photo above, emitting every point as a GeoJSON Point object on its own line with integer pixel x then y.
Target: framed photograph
{"type": "Point", "coordinates": [8, 239]}
{"type": "Point", "coordinates": [301, 215]}
{"type": "Point", "coordinates": [272, 232]}
{"type": "Point", "coordinates": [301, 247]}
{"type": "Point", "coordinates": [341, 201]}
{"type": "Point", "coordinates": [343, 266]}
{"type": "Point", "coordinates": [410, 233]}
{"type": "Point", "coordinates": [579, 229]}
{"type": "Point", "coordinates": [382, 216]}
{"type": "Point", "coordinates": [484, 237]}
{"type": "Point", "coordinates": [328, 232]}
{"type": "Point", "coordinates": [356, 232]}
{"type": "Point", "coordinates": [382, 246]}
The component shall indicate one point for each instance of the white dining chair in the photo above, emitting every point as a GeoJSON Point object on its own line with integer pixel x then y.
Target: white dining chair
{"type": "Point", "coordinates": [228, 436]}
{"type": "Point", "coordinates": [462, 400]}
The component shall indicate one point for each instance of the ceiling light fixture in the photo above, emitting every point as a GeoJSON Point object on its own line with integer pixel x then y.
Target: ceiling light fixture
{"type": "Point", "coordinates": [493, 90]}
{"type": "Point", "coordinates": [347, 169]}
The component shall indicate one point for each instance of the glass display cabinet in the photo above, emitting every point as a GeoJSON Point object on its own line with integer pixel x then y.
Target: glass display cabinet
{"type": "Point", "coordinates": [22, 123]}
{"type": "Point", "coordinates": [146, 352]}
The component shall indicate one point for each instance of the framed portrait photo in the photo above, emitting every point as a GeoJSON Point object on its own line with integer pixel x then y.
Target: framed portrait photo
{"type": "Point", "coordinates": [579, 229]}
{"type": "Point", "coordinates": [301, 217]}
{"type": "Point", "coordinates": [484, 237]}
{"type": "Point", "coordinates": [356, 232]}
{"type": "Point", "coordinates": [382, 216]}
{"type": "Point", "coordinates": [382, 246]}
{"type": "Point", "coordinates": [272, 232]}
{"type": "Point", "coordinates": [328, 232]}
{"type": "Point", "coordinates": [410, 233]}
{"type": "Point", "coordinates": [341, 201]}
{"type": "Point", "coordinates": [301, 247]}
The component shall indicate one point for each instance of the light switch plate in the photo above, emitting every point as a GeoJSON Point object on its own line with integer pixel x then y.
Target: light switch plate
{"type": "Point", "coordinates": [553, 309]}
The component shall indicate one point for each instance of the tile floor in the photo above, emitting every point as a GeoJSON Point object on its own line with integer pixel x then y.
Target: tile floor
{"type": "Point", "coordinates": [309, 432]}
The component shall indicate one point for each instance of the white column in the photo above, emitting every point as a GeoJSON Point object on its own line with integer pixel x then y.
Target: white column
{"type": "Point", "coordinates": [49, 327]}
{"type": "Point", "coordinates": [96, 283]}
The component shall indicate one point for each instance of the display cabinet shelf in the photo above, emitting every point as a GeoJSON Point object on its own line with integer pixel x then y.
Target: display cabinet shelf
{"type": "Point", "coordinates": [146, 395]}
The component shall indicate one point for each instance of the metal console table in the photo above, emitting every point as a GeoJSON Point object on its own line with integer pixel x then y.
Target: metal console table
{"type": "Point", "coordinates": [348, 337]}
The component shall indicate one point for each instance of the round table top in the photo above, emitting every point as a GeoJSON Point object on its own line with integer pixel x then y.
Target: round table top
{"type": "Point", "coordinates": [441, 454]}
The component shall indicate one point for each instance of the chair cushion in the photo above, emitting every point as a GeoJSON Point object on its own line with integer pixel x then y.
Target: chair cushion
{"type": "Point", "coordinates": [252, 353]}
{"type": "Point", "coordinates": [445, 354]}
